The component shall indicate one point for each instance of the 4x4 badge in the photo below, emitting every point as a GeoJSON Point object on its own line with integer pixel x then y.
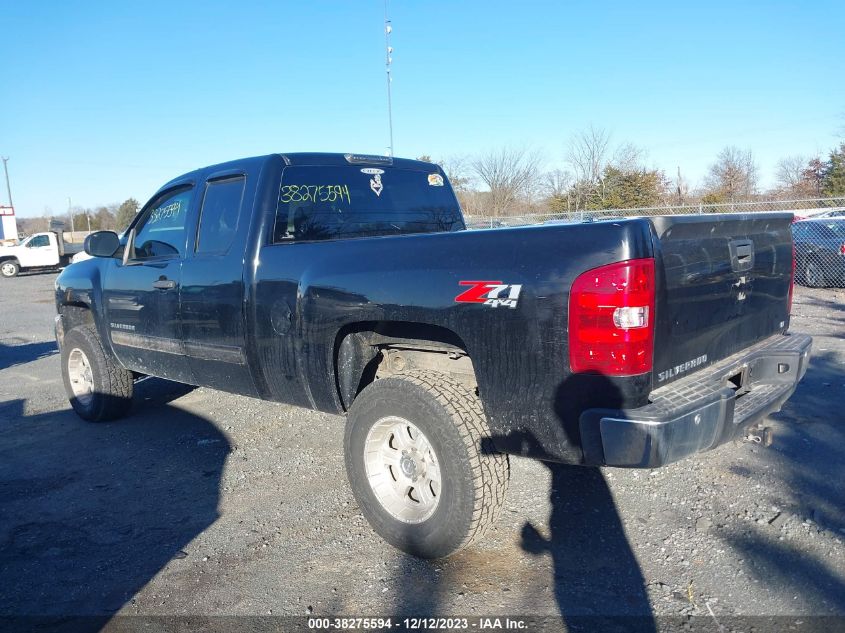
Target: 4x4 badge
{"type": "Point", "coordinates": [490, 293]}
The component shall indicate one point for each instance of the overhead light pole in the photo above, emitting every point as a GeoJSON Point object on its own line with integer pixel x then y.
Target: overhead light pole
{"type": "Point", "coordinates": [388, 60]}
{"type": "Point", "coordinates": [70, 213]}
{"type": "Point", "coordinates": [8, 186]}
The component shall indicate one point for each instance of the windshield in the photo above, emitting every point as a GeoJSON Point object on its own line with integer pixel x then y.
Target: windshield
{"type": "Point", "coordinates": [837, 228]}
{"type": "Point", "coordinates": [332, 202]}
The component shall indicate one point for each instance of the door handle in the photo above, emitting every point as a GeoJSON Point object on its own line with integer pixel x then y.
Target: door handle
{"type": "Point", "coordinates": [164, 284]}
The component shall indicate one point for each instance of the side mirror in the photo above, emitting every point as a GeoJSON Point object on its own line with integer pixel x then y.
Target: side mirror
{"type": "Point", "coordinates": [101, 244]}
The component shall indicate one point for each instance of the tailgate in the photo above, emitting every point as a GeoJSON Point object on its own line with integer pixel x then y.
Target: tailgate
{"type": "Point", "coordinates": [725, 285]}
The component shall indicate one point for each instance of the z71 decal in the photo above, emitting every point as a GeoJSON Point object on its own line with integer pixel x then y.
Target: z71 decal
{"type": "Point", "coordinates": [490, 293]}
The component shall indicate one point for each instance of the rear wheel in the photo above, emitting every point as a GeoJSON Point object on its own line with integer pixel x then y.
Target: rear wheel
{"type": "Point", "coordinates": [9, 268]}
{"type": "Point", "coordinates": [421, 464]}
{"type": "Point", "coordinates": [97, 387]}
{"type": "Point", "coordinates": [814, 275]}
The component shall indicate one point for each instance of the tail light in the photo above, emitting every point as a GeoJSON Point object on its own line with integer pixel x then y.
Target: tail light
{"type": "Point", "coordinates": [792, 282]}
{"type": "Point", "coordinates": [842, 249]}
{"type": "Point", "coordinates": [611, 319]}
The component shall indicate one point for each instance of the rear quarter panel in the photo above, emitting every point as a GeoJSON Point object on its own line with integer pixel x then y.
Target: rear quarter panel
{"type": "Point", "coordinates": [520, 355]}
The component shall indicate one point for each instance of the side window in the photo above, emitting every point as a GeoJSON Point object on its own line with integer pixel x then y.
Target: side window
{"type": "Point", "coordinates": [162, 230]}
{"type": "Point", "coordinates": [38, 240]}
{"type": "Point", "coordinates": [221, 208]}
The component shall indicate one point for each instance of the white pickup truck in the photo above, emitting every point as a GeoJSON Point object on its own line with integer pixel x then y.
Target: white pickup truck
{"type": "Point", "coordinates": [47, 250]}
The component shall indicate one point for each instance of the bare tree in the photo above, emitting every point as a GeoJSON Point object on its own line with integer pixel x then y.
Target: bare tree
{"type": "Point", "coordinates": [813, 175]}
{"type": "Point", "coordinates": [628, 158]}
{"type": "Point", "coordinates": [509, 173]}
{"type": "Point", "coordinates": [799, 176]}
{"type": "Point", "coordinates": [556, 186]}
{"type": "Point", "coordinates": [473, 203]}
{"type": "Point", "coordinates": [458, 169]}
{"type": "Point", "coordinates": [680, 187]}
{"type": "Point", "coordinates": [733, 176]}
{"type": "Point", "coordinates": [556, 183]}
{"type": "Point", "coordinates": [790, 172]}
{"type": "Point", "coordinates": [587, 154]}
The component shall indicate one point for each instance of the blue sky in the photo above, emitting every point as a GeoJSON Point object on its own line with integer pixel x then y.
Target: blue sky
{"type": "Point", "coordinates": [103, 101]}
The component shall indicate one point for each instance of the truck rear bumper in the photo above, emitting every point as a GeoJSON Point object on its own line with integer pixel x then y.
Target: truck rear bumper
{"type": "Point", "coordinates": [700, 412]}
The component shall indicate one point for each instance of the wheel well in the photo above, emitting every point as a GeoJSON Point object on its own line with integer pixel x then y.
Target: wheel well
{"type": "Point", "coordinates": [6, 258]}
{"type": "Point", "coordinates": [364, 352]}
{"type": "Point", "coordinates": [76, 314]}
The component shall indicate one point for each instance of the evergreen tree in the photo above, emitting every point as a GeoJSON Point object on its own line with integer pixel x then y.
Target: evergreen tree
{"type": "Point", "coordinates": [628, 189]}
{"type": "Point", "coordinates": [103, 219]}
{"type": "Point", "coordinates": [126, 213]}
{"type": "Point", "coordinates": [833, 173]}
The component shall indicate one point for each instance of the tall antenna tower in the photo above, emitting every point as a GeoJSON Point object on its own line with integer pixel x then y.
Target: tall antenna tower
{"type": "Point", "coordinates": [388, 60]}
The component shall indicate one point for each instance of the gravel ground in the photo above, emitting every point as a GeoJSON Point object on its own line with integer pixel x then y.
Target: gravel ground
{"type": "Point", "coordinates": [205, 503]}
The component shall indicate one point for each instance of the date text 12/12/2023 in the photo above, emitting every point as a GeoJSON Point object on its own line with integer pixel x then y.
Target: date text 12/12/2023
{"type": "Point", "coordinates": [418, 624]}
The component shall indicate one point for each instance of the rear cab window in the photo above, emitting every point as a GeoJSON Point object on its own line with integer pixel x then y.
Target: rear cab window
{"type": "Point", "coordinates": [321, 202]}
{"type": "Point", "coordinates": [221, 209]}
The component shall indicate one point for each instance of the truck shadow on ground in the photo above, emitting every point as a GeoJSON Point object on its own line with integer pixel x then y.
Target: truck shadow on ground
{"type": "Point", "coordinates": [92, 512]}
{"type": "Point", "coordinates": [11, 355]}
{"type": "Point", "coordinates": [596, 575]}
{"type": "Point", "coordinates": [596, 578]}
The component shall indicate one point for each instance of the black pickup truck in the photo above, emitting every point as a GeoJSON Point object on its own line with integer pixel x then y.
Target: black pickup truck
{"type": "Point", "coordinates": [349, 284]}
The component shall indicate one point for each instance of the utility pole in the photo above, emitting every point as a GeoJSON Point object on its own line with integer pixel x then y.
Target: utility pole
{"type": "Point", "coordinates": [680, 187]}
{"type": "Point", "coordinates": [70, 213]}
{"type": "Point", "coordinates": [388, 60]}
{"type": "Point", "coordinates": [8, 187]}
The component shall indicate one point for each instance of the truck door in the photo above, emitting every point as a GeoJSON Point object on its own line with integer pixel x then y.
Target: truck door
{"type": "Point", "coordinates": [212, 289]}
{"type": "Point", "coordinates": [141, 296]}
{"type": "Point", "coordinates": [41, 250]}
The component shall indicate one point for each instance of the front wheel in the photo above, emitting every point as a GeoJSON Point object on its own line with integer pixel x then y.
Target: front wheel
{"type": "Point", "coordinates": [97, 387]}
{"type": "Point", "coordinates": [9, 268]}
{"type": "Point", "coordinates": [421, 464]}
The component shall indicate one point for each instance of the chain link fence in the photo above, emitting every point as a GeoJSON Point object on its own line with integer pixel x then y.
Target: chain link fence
{"type": "Point", "coordinates": [818, 229]}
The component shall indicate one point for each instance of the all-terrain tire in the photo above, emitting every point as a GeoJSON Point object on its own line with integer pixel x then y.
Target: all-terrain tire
{"type": "Point", "coordinates": [474, 477]}
{"type": "Point", "coordinates": [111, 394]}
{"type": "Point", "coordinates": [9, 268]}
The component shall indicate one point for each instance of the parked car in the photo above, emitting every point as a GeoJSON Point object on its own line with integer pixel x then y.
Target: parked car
{"type": "Point", "coordinates": [349, 284]}
{"type": "Point", "coordinates": [81, 256]}
{"type": "Point", "coordinates": [819, 251]}
{"type": "Point", "coordinates": [834, 213]}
